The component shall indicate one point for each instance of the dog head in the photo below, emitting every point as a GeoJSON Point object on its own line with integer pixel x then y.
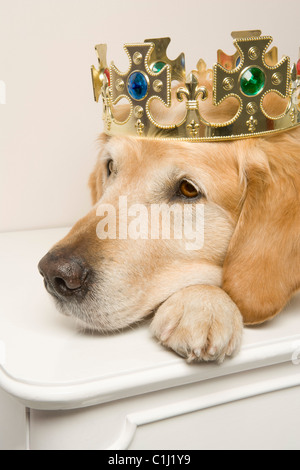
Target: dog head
{"type": "Point", "coordinates": [115, 266]}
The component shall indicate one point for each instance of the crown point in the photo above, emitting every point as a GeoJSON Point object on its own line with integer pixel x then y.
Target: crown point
{"type": "Point", "coordinates": [246, 34]}
{"type": "Point", "coordinates": [201, 66]}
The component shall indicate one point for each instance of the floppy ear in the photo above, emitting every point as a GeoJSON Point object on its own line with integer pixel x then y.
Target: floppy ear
{"type": "Point", "coordinates": [262, 266]}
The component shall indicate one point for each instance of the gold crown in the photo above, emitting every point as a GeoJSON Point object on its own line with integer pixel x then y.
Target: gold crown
{"type": "Point", "coordinates": [249, 75]}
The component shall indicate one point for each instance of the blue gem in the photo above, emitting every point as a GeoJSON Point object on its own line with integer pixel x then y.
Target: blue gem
{"type": "Point", "coordinates": [238, 61]}
{"type": "Point", "coordinates": [137, 86]}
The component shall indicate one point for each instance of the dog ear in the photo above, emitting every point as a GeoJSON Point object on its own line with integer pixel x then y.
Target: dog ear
{"type": "Point", "coordinates": [261, 269]}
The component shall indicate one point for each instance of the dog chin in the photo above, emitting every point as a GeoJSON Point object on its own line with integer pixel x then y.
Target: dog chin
{"type": "Point", "coordinates": [90, 320]}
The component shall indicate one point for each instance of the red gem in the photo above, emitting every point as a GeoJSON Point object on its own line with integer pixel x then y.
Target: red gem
{"type": "Point", "coordinates": [298, 68]}
{"type": "Point", "coordinates": [106, 71]}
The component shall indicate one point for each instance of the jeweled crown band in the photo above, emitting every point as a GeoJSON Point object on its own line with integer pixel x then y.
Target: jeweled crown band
{"type": "Point", "coordinates": [249, 76]}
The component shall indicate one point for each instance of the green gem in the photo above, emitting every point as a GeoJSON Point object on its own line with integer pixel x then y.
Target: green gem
{"type": "Point", "coordinates": [253, 81]}
{"type": "Point", "coordinates": [157, 67]}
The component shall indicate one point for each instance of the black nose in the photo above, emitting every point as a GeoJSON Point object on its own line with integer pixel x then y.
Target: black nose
{"type": "Point", "coordinates": [64, 275]}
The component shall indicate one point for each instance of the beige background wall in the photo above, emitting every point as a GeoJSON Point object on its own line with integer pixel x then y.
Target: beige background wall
{"type": "Point", "coordinates": [49, 124]}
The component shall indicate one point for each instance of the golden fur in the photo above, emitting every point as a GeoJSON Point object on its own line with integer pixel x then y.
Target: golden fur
{"type": "Point", "coordinates": [248, 267]}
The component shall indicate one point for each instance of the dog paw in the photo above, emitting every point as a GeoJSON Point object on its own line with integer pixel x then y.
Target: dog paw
{"type": "Point", "coordinates": [200, 323]}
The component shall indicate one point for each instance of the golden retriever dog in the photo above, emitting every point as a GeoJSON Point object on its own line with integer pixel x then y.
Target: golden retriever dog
{"type": "Point", "coordinates": [245, 271]}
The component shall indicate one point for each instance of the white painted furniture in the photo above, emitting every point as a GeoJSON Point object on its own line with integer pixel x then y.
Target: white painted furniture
{"type": "Point", "coordinates": [62, 389]}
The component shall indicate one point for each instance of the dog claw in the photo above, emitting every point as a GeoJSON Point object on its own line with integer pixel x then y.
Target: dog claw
{"type": "Point", "coordinates": [212, 351]}
{"type": "Point", "coordinates": [197, 353]}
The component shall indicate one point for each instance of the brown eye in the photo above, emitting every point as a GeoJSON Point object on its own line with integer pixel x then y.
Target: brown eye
{"type": "Point", "coordinates": [188, 190]}
{"type": "Point", "coordinates": [110, 167]}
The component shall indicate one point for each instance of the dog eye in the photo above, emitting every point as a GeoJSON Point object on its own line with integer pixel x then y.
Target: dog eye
{"type": "Point", "coordinates": [188, 190]}
{"type": "Point", "coordinates": [110, 167]}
